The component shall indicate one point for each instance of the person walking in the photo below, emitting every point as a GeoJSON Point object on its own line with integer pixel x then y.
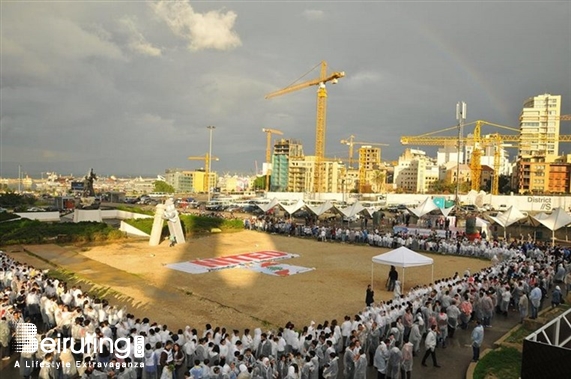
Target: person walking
{"type": "Point", "coordinates": [477, 339]}
{"type": "Point", "coordinates": [369, 296]}
{"type": "Point", "coordinates": [430, 345]}
{"type": "Point", "coordinates": [535, 298]}
{"type": "Point", "coordinates": [556, 297]}
{"type": "Point", "coordinates": [523, 306]}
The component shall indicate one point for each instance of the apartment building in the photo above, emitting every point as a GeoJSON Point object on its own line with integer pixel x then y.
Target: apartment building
{"type": "Point", "coordinates": [285, 150]}
{"type": "Point", "coordinates": [415, 172]}
{"type": "Point", "coordinates": [190, 181]}
{"type": "Point", "coordinates": [539, 144]}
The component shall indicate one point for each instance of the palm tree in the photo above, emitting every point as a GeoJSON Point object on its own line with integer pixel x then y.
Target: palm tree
{"type": "Point", "coordinates": [379, 180]}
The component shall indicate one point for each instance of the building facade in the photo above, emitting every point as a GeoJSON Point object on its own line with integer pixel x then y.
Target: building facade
{"type": "Point", "coordinates": [301, 175]}
{"type": "Point", "coordinates": [285, 150]}
{"type": "Point", "coordinates": [539, 127]}
{"type": "Point", "coordinates": [415, 172]}
{"type": "Point", "coordinates": [539, 144]}
{"type": "Point", "coordinates": [185, 181]}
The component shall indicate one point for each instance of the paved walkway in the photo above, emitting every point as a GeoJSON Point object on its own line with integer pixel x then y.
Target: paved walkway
{"type": "Point", "coordinates": [454, 359]}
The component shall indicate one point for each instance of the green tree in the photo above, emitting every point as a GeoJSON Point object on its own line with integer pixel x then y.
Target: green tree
{"type": "Point", "coordinates": [379, 180]}
{"type": "Point", "coordinates": [15, 200]}
{"type": "Point", "coordinates": [162, 186]}
{"type": "Point", "coordinates": [260, 182]}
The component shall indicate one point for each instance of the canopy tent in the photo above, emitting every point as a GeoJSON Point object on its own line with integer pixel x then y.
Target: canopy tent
{"type": "Point", "coordinates": [533, 220]}
{"type": "Point", "coordinates": [556, 220]}
{"type": "Point", "coordinates": [510, 216]}
{"type": "Point", "coordinates": [481, 223]}
{"type": "Point", "coordinates": [370, 211]}
{"type": "Point", "coordinates": [402, 257]}
{"type": "Point", "coordinates": [291, 209]}
{"type": "Point", "coordinates": [446, 211]}
{"type": "Point", "coordinates": [270, 205]}
{"type": "Point", "coordinates": [423, 208]}
{"type": "Point", "coordinates": [352, 210]}
{"type": "Point", "coordinates": [318, 210]}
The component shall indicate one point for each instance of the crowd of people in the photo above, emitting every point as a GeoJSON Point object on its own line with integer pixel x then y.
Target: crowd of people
{"type": "Point", "coordinates": [385, 334]}
{"type": "Point", "coordinates": [449, 242]}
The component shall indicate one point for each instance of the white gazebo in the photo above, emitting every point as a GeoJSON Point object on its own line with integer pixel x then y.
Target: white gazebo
{"type": "Point", "coordinates": [402, 257]}
{"type": "Point", "coordinates": [556, 220]}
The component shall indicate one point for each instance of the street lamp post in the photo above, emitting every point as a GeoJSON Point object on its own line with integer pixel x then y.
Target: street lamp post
{"type": "Point", "coordinates": [210, 128]}
{"type": "Point", "coordinates": [460, 117]}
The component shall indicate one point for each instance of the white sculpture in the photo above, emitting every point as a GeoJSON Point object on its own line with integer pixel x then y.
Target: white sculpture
{"type": "Point", "coordinates": [168, 212]}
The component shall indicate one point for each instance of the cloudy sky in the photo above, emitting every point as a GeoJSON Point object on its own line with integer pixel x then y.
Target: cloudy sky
{"type": "Point", "coordinates": [128, 88]}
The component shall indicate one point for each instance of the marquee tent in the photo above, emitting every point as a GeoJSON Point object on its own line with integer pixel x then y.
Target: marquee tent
{"type": "Point", "coordinates": [556, 220]}
{"type": "Point", "coordinates": [446, 211]}
{"type": "Point", "coordinates": [423, 208]}
{"type": "Point", "coordinates": [291, 209]}
{"type": "Point", "coordinates": [402, 257]}
{"type": "Point", "coordinates": [481, 223]}
{"type": "Point", "coordinates": [510, 216]}
{"type": "Point", "coordinates": [318, 210]}
{"type": "Point", "coordinates": [534, 220]}
{"type": "Point", "coordinates": [352, 210]}
{"type": "Point", "coordinates": [270, 205]}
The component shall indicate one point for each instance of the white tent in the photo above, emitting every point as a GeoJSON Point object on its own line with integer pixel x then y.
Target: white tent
{"type": "Point", "coordinates": [556, 220]}
{"type": "Point", "coordinates": [480, 222]}
{"type": "Point", "coordinates": [446, 211]}
{"type": "Point", "coordinates": [533, 220]}
{"type": "Point", "coordinates": [402, 257]}
{"type": "Point", "coordinates": [270, 205]}
{"type": "Point", "coordinates": [423, 208]}
{"type": "Point", "coordinates": [291, 209]}
{"type": "Point", "coordinates": [320, 209]}
{"type": "Point", "coordinates": [510, 216]}
{"type": "Point", "coordinates": [352, 210]}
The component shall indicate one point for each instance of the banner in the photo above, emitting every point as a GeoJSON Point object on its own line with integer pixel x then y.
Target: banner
{"type": "Point", "coordinates": [276, 269]}
{"type": "Point", "coordinates": [201, 266]}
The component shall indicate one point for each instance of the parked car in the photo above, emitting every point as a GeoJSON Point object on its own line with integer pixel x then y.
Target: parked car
{"type": "Point", "coordinates": [487, 207]}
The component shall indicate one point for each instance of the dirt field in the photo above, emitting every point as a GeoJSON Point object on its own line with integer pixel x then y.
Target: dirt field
{"type": "Point", "coordinates": [239, 298]}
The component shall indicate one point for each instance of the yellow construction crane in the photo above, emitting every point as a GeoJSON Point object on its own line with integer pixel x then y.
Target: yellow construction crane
{"type": "Point", "coordinates": [206, 158]}
{"type": "Point", "coordinates": [496, 140]}
{"type": "Point", "coordinates": [476, 141]}
{"type": "Point", "coordinates": [321, 115]}
{"type": "Point", "coordinates": [351, 143]}
{"type": "Point", "coordinates": [269, 133]}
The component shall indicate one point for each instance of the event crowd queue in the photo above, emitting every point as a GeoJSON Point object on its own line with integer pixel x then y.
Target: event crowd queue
{"type": "Point", "coordinates": [451, 242]}
{"type": "Point", "coordinates": [385, 334]}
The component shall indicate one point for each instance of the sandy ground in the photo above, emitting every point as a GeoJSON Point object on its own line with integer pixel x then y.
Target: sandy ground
{"type": "Point", "coordinates": [239, 298]}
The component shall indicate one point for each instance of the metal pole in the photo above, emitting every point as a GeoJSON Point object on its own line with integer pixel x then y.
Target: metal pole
{"type": "Point", "coordinates": [19, 179]}
{"type": "Point", "coordinates": [461, 117]}
{"type": "Point", "coordinates": [210, 128]}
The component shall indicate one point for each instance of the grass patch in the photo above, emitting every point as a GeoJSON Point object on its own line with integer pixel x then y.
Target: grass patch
{"type": "Point", "coordinates": [62, 275]}
{"type": "Point", "coordinates": [518, 336]}
{"type": "Point", "coordinates": [504, 363]}
{"type": "Point", "coordinates": [26, 231]}
{"type": "Point", "coordinates": [136, 209]}
{"type": "Point", "coordinates": [191, 224]}
{"type": "Point", "coordinates": [5, 216]}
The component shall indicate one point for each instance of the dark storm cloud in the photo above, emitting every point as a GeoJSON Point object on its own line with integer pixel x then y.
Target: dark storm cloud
{"type": "Point", "coordinates": [130, 87]}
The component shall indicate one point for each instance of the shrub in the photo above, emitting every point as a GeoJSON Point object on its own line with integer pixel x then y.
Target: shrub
{"type": "Point", "coordinates": [191, 224]}
{"type": "Point", "coordinates": [26, 231]}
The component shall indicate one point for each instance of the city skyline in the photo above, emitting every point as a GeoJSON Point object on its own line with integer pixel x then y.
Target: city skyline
{"type": "Point", "coordinates": [130, 87]}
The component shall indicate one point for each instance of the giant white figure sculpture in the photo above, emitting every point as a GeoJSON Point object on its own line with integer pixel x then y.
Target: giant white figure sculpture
{"type": "Point", "coordinates": [166, 211]}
